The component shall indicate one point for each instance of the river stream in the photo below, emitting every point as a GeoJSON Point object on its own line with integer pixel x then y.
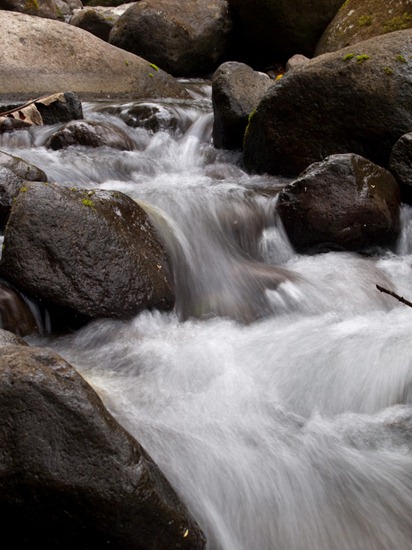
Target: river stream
{"type": "Point", "coordinates": [276, 397]}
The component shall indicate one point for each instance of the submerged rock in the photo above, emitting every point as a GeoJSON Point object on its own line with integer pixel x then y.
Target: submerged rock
{"type": "Point", "coordinates": [71, 476]}
{"type": "Point", "coordinates": [92, 134]}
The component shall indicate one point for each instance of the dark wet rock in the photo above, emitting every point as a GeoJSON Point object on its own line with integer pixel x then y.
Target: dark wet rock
{"type": "Point", "coordinates": [236, 92]}
{"type": "Point", "coordinates": [357, 100]}
{"type": "Point", "coordinates": [60, 108]}
{"type": "Point", "coordinates": [342, 203]}
{"type": "Point", "coordinates": [359, 20]}
{"type": "Point", "coordinates": [84, 254]}
{"type": "Point", "coordinates": [277, 29]}
{"type": "Point", "coordinates": [71, 476]}
{"type": "Point", "coordinates": [15, 313]}
{"type": "Point", "coordinates": [22, 168]}
{"type": "Point", "coordinates": [90, 134]}
{"type": "Point", "coordinates": [183, 37]}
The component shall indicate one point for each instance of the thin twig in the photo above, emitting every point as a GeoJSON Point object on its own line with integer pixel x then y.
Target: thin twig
{"type": "Point", "coordinates": [391, 293]}
{"type": "Point", "coordinates": [20, 107]}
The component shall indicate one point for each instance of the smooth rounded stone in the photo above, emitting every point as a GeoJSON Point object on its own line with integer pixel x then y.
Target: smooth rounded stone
{"type": "Point", "coordinates": [183, 37]}
{"type": "Point", "coordinates": [236, 92]}
{"type": "Point", "coordinates": [90, 134]}
{"type": "Point", "coordinates": [41, 56]}
{"type": "Point", "coordinates": [84, 254]}
{"type": "Point", "coordinates": [342, 203]}
{"type": "Point", "coordinates": [356, 100]}
{"type": "Point", "coordinates": [71, 476]}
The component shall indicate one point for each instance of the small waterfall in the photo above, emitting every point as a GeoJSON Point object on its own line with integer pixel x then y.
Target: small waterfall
{"type": "Point", "coordinates": [277, 396]}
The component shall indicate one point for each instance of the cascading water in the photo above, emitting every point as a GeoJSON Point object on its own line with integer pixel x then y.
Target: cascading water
{"type": "Point", "coordinates": [277, 396]}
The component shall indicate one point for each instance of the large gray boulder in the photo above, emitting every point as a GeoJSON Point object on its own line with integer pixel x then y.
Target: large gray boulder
{"type": "Point", "coordinates": [85, 253]}
{"type": "Point", "coordinates": [277, 29]}
{"type": "Point", "coordinates": [70, 476]}
{"type": "Point", "coordinates": [42, 56]}
{"type": "Point", "coordinates": [344, 202]}
{"type": "Point", "coordinates": [359, 20]}
{"type": "Point", "coordinates": [356, 100]}
{"type": "Point", "coordinates": [236, 92]}
{"type": "Point", "coordinates": [183, 37]}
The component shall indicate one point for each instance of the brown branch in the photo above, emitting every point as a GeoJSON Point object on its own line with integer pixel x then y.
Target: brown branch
{"type": "Point", "coordinates": [386, 291]}
{"type": "Point", "coordinates": [20, 107]}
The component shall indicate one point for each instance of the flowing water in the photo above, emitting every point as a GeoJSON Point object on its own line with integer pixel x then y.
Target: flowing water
{"type": "Point", "coordinates": [276, 397]}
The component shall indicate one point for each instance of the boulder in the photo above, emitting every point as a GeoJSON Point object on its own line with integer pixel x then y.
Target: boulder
{"type": "Point", "coordinates": [357, 100]}
{"type": "Point", "coordinates": [91, 134]}
{"type": "Point", "coordinates": [21, 168]}
{"type": "Point", "coordinates": [359, 20]}
{"type": "Point", "coordinates": [277, 29]}
{"type": "Point", "coordinates": [342, 203]}
{"type": "Point", "coordinates": [42, 56]}
{"type": "Point", "coordinates": [98, 20]}
{"type": "Point", "coordinates": [183, 37]}
{"type": "Point", "coordinates": [71, 476]}
{"type": "Point", "coordinates": [236, 92]}
{"type": "Point", "coordinates": [84, 254]}
{"type": "Point", "coordinates": [48, 9]}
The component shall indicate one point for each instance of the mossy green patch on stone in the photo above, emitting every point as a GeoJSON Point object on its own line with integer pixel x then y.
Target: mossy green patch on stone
{"type": "Point", "coordinates": [88, 202]}
{"type": "Point", "coordinates": [362, 57]}
{"type": "Point", "coordinates": [365, 20]}
{"type": "Point", "coordinates": [31, 5]}
{"type": "Point", "coordinates": [388, 70]}
{"type": "Point", "coordinates": [398, 23]}
{"type": "Point", "coordinates": [400, 58]}
{"type": "Point", "coordinates": [348, 56]}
